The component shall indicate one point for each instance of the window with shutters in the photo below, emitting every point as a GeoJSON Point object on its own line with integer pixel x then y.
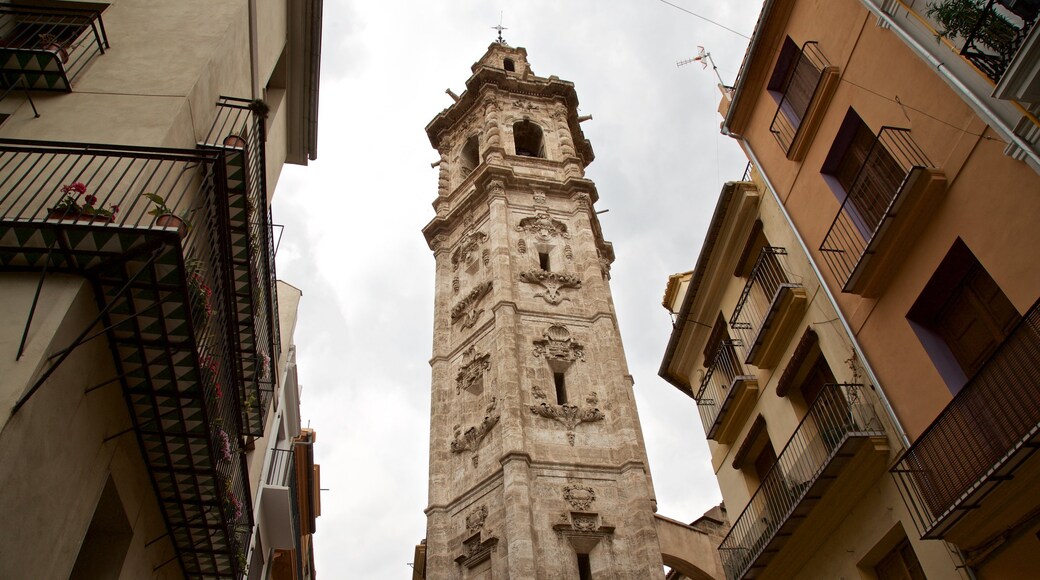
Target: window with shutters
{"type": "Point", "coordinates": [900, 564]}
{"type": "Point", "coordinates": [962, 316]}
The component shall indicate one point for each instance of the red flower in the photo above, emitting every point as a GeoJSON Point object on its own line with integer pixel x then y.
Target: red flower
{"type": "Point", "coordinates": [76, 187]}
{"type": "Point", "coordinates": [90, 199]}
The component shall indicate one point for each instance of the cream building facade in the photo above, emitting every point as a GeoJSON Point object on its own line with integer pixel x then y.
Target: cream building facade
{"type": "Point", "coordinates": [148, 372]}
{"type": "Point", "coordinates": [537, 463]}
{"type": "Point", "coordinates": [897, 143]}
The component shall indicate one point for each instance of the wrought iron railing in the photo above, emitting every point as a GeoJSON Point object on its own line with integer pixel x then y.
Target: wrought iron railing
{"type": "Point", "coordinates": [870, 200]}
{"type": "Point", "coordinates": [840, 412]}
{"type": "Point", "coordinates": [718, 380]}
{"type": "Point", "coordinates": [45, 48]}
{"type": "Point", "coordinates": [282, 463]}
{"type": "Point", "coordinates": [754, 310]}
{"type": "Point", "coordinates": [238, 131]}
{"type": "Point", "coordinates": [963, 454]}
{"type": "Point", "coordinates": [999, 30]}
{"type": "Point", "coordinates": [164, 286]}
{"type": "Point", "coordinates": [798, 93]}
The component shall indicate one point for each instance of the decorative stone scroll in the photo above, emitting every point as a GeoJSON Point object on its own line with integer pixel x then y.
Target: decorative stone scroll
{"type": "Point", "coordinates": [475, 520]}
{"type": "Point", "coordinates": [570, 416]}
{"type": "Point", "coordinates": [469, 243]}
{"type": "Point", "coordinates": [558, 345]}
{"type": "Point", "coordinates": [466, 309]}
{"type": "Point", "coordinates": [581, 497]}
{"type": "Point", "coordinates": [552, 282]}
{"type": "Point", "coordinates": [544, 226]}
{"type": "Point", "coordinates": [471, 374]}
{"type": "Point", "coordinates": [471, 439]}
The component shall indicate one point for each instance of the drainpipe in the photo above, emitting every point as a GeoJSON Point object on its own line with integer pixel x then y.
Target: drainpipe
{"type": "Point", "coordinates": [977, 103]}
{"type": "Point", "coordinates": [827, 291]}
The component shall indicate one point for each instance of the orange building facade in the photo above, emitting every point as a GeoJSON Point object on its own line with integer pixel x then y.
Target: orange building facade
{"type": "Point", "coordinates": [904, 168]}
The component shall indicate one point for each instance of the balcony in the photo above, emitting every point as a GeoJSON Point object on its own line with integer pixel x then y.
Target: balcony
{"type": "Point", "coordinates": [163, 295]}
{"type": "Point", "coordinates": [46, 48]}
{"type": "Point", "coordinates": [830, 459]}
{"type": "Point", "coordinates": [894, 193]}
{"type": "Point", "coordinates": [769, 308]}
{"type": "Point", "coordinates": [988, 36]}
{"type": "Point", "coordinates": [806, 94]}
{"type": "Point", "coordinates": [238, 133]}
{"type": "Point", "coordinates": [279, 502]}
{"type": "Point", "coordinates": [972, 462]}
{"type": "Point", "coordinates": [726, 395]}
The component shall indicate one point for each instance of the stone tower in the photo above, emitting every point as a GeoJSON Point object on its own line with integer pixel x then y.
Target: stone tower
{"type": "Point", "coordinates": [537, 463]}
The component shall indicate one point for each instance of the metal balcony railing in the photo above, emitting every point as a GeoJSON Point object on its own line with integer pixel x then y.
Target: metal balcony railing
{"type": "Point", "coordinates": [44, 48]}
{"type": "Point", "coordinates": [755, 308]}
{"type": "Point", "coordinates": [238, 132]}
{"type": "Point", "coordinates": [871, 200]}
{"type": "Point", "coordinates": [801, 88]}
{"type": "Point", "coordinates": [715, 387]}
{"type": "Point", "coordinates": [164, 299]}
{"type": "Point", "coordinates": [840, 412]}
{"type": "Point", "coordinates": [282, 473]}
{"type": "Point", "coordinates": [1000, 27]}
{"type": "Point", "coordinates": [979, 439]}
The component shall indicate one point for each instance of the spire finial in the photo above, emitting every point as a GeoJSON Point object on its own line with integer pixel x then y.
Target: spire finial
{"type": "Point", "coordinates": [500, 28]}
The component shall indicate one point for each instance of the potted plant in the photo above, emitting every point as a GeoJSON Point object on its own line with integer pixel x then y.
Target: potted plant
{"type": "Point", "coordinates": [69, 207]}
{"type": "Point", "coordinates": [51, 43]}
{"type": "Point", "coordinates": [164, 216]}
{"type": "Point", "coordinates": [962, 17]}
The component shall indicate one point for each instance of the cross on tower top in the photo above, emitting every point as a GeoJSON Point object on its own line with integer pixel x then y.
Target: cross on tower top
{"type": "Point", "coordinates": [500, 28]}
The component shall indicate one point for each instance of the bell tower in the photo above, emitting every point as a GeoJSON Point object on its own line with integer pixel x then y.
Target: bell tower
{"type": "Point", "coordinates": [537, 463]}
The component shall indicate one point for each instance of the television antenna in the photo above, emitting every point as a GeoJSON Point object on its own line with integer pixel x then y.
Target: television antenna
{"type": "Point", "coordinates": [704, 58]}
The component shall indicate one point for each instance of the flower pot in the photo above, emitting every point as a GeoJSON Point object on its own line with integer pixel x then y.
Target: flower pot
{"type": "Point", "coordinates": [58, 50]}
{"type": "Point", "coordinates": [235, 141]}
{"type": "Point", "coordinates": [168, 220]}
{"type": "Point", "coordinates": [64, 215]}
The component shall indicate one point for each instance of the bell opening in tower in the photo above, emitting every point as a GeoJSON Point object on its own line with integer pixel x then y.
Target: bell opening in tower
{"type": "Point", "coordinates": [527, 137]}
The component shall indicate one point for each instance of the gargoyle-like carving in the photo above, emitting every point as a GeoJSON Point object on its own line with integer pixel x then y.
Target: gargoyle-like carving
{"type": "Point", "coordinates": [570, 416]}
{"type": "Point", "coordinates": [580, 497]}
{"type": "Point", "coordinates": [466, 310]}
{"type": "Point", "coordinates": [471, 439]}
{"type": "Point", "coordinates": [475, 520]}
{"type": "Point", "coordinates": [559, 345]}
{"type": "Point", "coordinates": [543, 225]}
{"type": "Point", "coordinates": [467, 245]}
{"type": "Point", "coordinates": [552, 282]}
{"type": "Point", "coordinates": [604, 268]}
{"type": "Point", "coordinates": [471, 374]}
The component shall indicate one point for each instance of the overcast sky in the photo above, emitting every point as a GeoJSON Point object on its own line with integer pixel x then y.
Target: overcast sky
{"type": "Point", "coordinates": [352, 239]}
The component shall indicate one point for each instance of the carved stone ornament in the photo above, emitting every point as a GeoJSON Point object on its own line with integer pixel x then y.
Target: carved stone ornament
{"type": "Point", "coordinates": [471, 439]}
{"type": "Point", "coordinates": [469, 244]}
{"type": "Point", "coordinates": [544, 226]}
{"type": "Point", "coordinates": [558, 345]}
{"type": "Point", "coordinates": [581, 497]}
{"type": "Point", "coordinates": [582, 529]}
{"type": "Point", "coordinates": [471, 374]}
{"type": "Point", "coordinates": [570, 416]}
{"type": "Point", "coordinates": [466, 309]}
{"type": "Point", "coordinates": [485, 256]}
{"type": "Point", "coordinates": [455, 284]}
{"type": "Point", "coordinates": [582, 200]}
{"type": "Point", "coordinates": [568, 252]}
{"type": "Point", "coordinates": [521, 246]}
{"type": "Point", "coordinates": [495, 188]}
{"type": "Point", "coordinates": [604, 268]}
{"type": "Point", "coordinates": [525, 105]}
{"type": "Point", "coordinates": [539, 198]}
{"type": "Point", "coordinates": [475, 520]}
{"type": "Point", "coordinates": [538, 393]}
{"type": "Point", "coordinates": [553, 282]}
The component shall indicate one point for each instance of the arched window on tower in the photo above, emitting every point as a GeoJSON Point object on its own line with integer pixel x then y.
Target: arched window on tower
{"type": "Point", "coordinates": [528, 139]}
{"type": "Point", "coordinates": [508, 65]}
{"type": "Point", "coordinates": [470, 157]}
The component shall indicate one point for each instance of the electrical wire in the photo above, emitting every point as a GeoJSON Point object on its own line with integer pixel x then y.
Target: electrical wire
{"type": "Point", "coordinates": [708, 20]}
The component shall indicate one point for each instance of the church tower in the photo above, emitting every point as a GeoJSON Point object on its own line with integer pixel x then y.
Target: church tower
{"type": "Point", "coordinates": [537, 463]}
